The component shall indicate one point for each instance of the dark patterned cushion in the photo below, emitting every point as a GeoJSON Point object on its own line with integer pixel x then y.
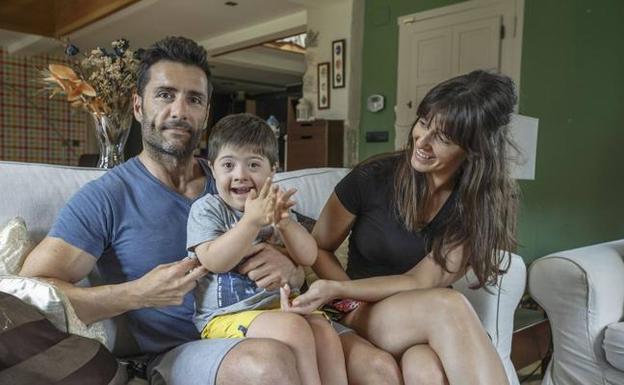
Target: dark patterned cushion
{"type": "Point", "coordinates": [33, 351]}
{"type": "Point", "coordinates": [307, 222]}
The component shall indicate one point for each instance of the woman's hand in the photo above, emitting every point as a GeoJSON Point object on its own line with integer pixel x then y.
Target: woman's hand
{"type": "Point", "coordinates": [319, 293]}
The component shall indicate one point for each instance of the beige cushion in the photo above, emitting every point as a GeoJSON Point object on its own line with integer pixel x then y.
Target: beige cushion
{"type": "Point", "coordinates": [14, 246]}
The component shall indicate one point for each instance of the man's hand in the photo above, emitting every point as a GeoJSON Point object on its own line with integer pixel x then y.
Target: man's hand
{"type": "Point", "coordinates": [167, 284]}
{"type": "Point", "coordinates": [269, 268]}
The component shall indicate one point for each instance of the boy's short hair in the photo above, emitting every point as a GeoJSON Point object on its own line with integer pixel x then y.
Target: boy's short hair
{"type": "Point", "coordinates": [243, 130]}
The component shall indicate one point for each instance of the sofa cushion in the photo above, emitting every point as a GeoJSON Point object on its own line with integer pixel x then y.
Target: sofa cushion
{"type": "Point", "coordinates": [305, 221]}
{"type": "Point", "coordinates": [15, 245]}
{"type": "Point", "coordinates": [33, 351]}
{"type": "Point", "coordinates": [614, 344]}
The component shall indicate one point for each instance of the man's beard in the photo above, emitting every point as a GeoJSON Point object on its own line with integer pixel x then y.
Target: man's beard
{"type": "Point", "coordinates": [153, 138]}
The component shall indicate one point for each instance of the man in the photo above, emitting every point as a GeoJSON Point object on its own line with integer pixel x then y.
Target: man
{"type": "Point", "coordinates": [131, 222]}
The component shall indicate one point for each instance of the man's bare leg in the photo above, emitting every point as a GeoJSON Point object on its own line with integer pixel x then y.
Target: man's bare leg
{"type": "Point", "coordinates": [258, 361]}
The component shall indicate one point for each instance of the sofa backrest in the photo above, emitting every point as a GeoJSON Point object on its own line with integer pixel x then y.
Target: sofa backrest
{"type": "Point", "coordinates": [314, 186]}
{"type": "Point", "coordinates": [37, 192]}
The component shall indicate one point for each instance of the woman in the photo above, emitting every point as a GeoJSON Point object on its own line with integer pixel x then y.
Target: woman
{"type": "Point", "coordinates": [418, 219]}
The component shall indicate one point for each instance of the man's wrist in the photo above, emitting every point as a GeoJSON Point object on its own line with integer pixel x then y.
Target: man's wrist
{"type": "Point", "coordinates": [134, 299]}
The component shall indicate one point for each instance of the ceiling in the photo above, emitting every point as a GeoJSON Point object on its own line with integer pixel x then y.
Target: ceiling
{"type": "Point", "coordinates": [229, 33]}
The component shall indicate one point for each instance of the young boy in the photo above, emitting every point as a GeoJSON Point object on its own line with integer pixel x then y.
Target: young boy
{"type": "Point", "coordinates": [248, 209]}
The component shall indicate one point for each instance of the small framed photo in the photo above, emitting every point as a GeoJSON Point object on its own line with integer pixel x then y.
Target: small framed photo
{"type": "Point", "coordinates": [338, 63]}
{"type": "Point", "coordinates": [323, 85]}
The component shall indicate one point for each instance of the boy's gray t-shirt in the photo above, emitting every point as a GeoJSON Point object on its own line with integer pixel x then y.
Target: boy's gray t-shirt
{"type": "Point", "coordinates": [231, 292]}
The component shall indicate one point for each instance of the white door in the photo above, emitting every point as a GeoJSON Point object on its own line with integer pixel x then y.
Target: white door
{"type": "Point", "coordinates": [437, 45]}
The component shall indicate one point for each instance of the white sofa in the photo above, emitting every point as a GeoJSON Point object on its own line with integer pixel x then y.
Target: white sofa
{"type": "Point", "coordinates": [582, 291]}
{"type": "Point", "coordinates": [36, 193]}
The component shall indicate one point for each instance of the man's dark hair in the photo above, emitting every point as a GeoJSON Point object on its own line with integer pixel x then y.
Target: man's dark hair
{"type": "Point", "coordinates": [177, 49]}
{"type": "Point", "coordinates": [243, 130]}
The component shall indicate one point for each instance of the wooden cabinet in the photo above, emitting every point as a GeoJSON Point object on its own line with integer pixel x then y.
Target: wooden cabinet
{"type": "Point", "coordinates": [314, 144]}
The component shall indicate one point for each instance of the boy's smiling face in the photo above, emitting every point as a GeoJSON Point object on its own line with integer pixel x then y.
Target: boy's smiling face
{"type": "Point", "coordinates": [237, 170]}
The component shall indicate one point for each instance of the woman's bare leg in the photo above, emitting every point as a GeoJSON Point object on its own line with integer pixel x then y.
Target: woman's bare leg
{"type": "Point", "coordinates": [441, 318]}
{"type": "Point", "coordinates": [294, 331]}
{"type": "Point", "coordinates": [367, 364]}
{"type": "Point", "coordinates": [421, 366]}
{"type": "Point", "coordinates": [330, 357]}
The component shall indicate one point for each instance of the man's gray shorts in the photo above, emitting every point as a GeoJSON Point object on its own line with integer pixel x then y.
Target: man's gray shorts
{"type": "Point", "coordinates": [197, 362]}
{"type": "Point", "coordinates": [192, 363]}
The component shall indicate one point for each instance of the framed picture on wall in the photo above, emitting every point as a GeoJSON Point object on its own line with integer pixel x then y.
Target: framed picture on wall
{"type": "Point", "coordinates": [338, 63]}
{"type": "Point", "coordinates": [323, 85]}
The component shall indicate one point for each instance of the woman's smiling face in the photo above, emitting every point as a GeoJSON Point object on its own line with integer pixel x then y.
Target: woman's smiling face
{"type": "Point", "coordinates": [433, 152]}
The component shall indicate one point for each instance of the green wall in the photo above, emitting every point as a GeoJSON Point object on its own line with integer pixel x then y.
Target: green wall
{"type": "Point", "coordinates": [572, 79]}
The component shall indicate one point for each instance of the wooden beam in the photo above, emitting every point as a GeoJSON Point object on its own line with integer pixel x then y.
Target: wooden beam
{"type": "Point", "coordinates": [71, 15]}
{"type": "Point", "coordinates": [55, 18]}
{"type": "Point", "coordinates": [28, 16]}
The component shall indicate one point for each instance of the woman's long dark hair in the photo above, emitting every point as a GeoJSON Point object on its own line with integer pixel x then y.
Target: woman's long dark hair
{"type": "Point", "coordinates": [473, 111]}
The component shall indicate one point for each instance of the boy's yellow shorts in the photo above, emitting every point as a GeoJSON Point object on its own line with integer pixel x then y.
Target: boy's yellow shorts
{"type": "Point", "coordinates": [235, 325]}
{"type": "Point", "coordinates": [232, 325]}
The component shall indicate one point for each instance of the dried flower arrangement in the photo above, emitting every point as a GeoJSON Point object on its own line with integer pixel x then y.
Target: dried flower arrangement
{"type": "Point", "coordinates": [101, 82]}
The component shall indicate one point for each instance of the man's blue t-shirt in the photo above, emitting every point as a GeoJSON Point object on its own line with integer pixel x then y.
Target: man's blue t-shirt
{"type": "Point", "coordinates": [132, 223]}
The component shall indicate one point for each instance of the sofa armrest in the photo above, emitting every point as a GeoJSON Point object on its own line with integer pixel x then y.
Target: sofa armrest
{"type": "Point", "coordinates": [582, 291]}
{"type": "Point", "coordinates": [496, 306]}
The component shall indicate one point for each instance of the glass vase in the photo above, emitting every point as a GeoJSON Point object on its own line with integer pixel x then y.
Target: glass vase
{"type": "Point", "coordinates": [111, 131]}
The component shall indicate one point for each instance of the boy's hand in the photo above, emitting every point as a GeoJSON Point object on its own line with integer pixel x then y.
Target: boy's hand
{"type": "Point", "coordinates": [259, 208]}
{"type": "Point", "coordinates": [282, 205]}
{"type": "Point", "coordinates": [285, 297]}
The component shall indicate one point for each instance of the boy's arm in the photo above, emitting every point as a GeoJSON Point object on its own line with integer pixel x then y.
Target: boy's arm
{"type": "Point", "coordinates": [300, 245]}
{"type": "Point", "coordinates": [223, 252]}
{"type": "Point", "coordinates": [226, 251]}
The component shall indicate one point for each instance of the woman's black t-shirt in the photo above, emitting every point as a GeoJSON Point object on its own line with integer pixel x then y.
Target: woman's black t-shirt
{"type": "Point", "coordinates": [379, 243]}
